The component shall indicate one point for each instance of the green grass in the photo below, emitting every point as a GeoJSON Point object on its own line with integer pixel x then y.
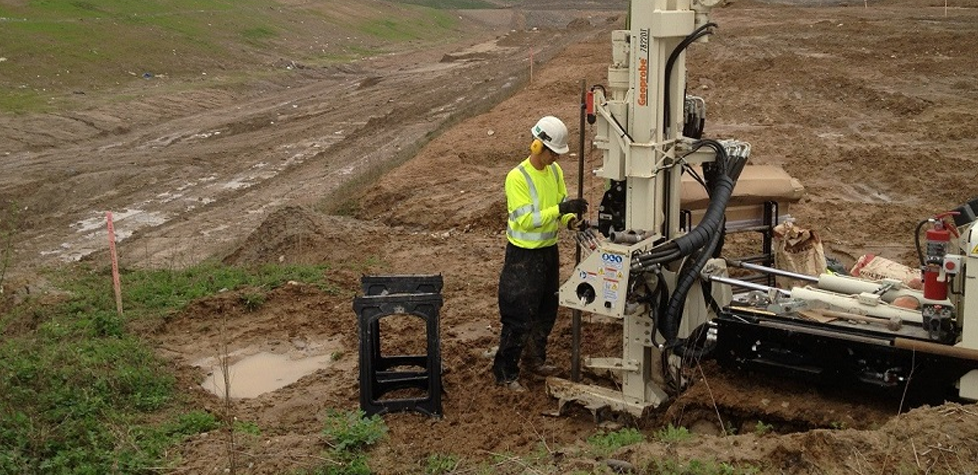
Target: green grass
{"type": "Point", "coordinates": [247, 427]}
{"type": "Point", "coordinates": [53, 48]}
{"type": "Point", "coordinates": [606, 443]}
{"type": "Point", "coordinates": [258, 34]}
{"type": "Point", "coordinates": [672, 433]}
{"type": "Point", "coordinates": [352, 430]}
{"type": "Point", "coordinates": [761, 428]}
{"type": "Point", "coordinates": [416, 26]}
{"type": "Point", "coordinates": [392, 29]}
{"type": "Point", "coordinates": [160, 290]}
{"type": "Point", "coordinates": [438, 464]}
{"type": "Point", "coordinates": [81, 394]}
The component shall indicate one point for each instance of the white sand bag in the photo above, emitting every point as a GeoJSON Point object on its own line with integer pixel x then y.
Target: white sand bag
{"type": "Point", "coordinates": [873, 267]}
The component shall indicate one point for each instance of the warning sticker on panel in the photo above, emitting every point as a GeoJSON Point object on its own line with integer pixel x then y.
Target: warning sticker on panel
{"type": "Point", "coordinates": [611, 291]}
{"type": "Point", "coordinates": [613, 261]}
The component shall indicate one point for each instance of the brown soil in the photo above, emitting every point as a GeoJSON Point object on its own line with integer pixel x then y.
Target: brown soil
{"type": "Point", "coordinates": [873, 108]}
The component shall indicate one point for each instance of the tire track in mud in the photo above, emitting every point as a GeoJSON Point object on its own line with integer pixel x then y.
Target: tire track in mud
{"type": "Point", "coordinates": [186, 188]}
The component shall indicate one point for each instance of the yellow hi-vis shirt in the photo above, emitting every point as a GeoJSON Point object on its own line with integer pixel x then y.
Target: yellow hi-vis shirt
{"type": "Point", "coordinates": [532, 197]}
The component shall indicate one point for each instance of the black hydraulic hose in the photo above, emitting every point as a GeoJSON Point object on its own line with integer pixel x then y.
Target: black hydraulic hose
{"type": "Point", "coordinates": [688, 40]}
{"type": "Point", "coordinates": [662, 300]}
{"type": "Point", "coordinates": [683, 348]}
{"type": "Point", "coordinates": [668, 253]}
{"type": "Point", "coordinates": [720, 195]}
{"type": "Point", "coordinates": [696, 177]}
{"type": "Point", "coordinates": [707, 287]}
{"type": "Point", "coordinates": [700, 128]}
{"type": "Point", "coordinates": [695, 35]}
{"type": "Point", "coordinates": [722, 179]}
{"type": "Point", "coordinates": [669, 323]}
{"type": "Point", "coordinates": [656, 298]}
{"type": "Point", "coordinates": [624, 133]}
{"type": "Point", "coordinates": [722, 160]}
{"type": "Point", "coordinates": [613, 118]}
{"type": "Point", "coordinates": [737, 168]}
{"type": "Point", "coordinates": [712, 219]}
{"type": "Point", "coordinates": [916, 242]}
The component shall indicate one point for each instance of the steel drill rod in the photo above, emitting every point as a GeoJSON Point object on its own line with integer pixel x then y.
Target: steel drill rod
{"type": "Point", "coordinates": [771, 270]}
{"type": "Point", "coordinates": [576, 314]}
{"type": "Point", "coordinates": [747, 285]}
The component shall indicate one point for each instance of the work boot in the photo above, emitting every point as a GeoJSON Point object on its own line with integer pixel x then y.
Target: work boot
{"type": "Point", "coordinates": [513, 386]}
{"type": "Point", "coordinates": [544, 369]}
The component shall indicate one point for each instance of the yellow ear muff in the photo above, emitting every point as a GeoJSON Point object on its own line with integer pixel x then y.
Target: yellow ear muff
{"type": "Point", "coordinates": [536, 147]}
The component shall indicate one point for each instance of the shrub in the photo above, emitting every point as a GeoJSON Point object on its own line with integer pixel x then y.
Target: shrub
{"type": "Point", "coordinates": [352, 431]}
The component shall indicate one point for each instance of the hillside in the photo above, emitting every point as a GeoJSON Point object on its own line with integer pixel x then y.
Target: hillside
{"type": "Point", "coordinates": [65, 55]}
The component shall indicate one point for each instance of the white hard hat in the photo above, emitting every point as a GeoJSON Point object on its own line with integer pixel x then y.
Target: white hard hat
{"type": "Point", "coordinates": [552, 132]}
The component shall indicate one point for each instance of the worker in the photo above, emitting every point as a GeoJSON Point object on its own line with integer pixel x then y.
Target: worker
{"type": "Point", "coordinates": [536, 198]}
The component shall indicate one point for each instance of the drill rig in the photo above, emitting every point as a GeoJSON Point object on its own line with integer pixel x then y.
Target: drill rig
{"type": "Point", "coordinates": [664, 278]}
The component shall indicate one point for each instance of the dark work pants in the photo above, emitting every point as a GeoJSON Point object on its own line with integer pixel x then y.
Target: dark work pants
{"type": "Point", "coordinates": [528, 287]}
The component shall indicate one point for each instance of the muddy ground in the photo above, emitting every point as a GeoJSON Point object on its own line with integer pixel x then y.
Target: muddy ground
{"type": "Point", "coordinates": [872, 107]}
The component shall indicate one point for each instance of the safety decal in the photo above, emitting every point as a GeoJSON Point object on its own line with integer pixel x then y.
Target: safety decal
{"type": "Point", "coordinates": [613, 261]}
{"type": "Point", "coordinates": [611, 291]}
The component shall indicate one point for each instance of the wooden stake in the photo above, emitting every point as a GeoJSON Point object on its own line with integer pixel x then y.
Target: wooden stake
{"type": "Point", "coordinates": [115, 264]}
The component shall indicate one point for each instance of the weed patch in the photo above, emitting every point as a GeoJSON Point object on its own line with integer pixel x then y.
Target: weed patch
{"type": "Point", "coordinates": [349, 431]}
{"type": "Point", "coordinates": [672, 433]}
{"type": "Point", "coordinates": [437, 464]}
{"type": "Point", "coordinates": [605, 444]}
{"type": "Point", "coordinates": [349, 434]}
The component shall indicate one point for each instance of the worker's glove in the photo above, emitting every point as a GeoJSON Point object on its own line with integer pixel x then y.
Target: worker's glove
{"type": "Point", "coordinates": [576, 206]}
{"type": "Point", "coordinates": [577, 224]}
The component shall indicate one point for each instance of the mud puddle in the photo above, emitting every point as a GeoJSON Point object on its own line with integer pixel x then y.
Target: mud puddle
{"type": "Point", "coordinates": [258, 370]}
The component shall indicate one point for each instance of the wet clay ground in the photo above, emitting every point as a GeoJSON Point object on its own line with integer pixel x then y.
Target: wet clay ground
{"type": "Point", "coordinates": [872, 108]}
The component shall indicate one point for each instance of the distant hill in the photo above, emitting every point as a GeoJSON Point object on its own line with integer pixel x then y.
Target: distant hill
{"type": "Point", "coordinates": [51, 48]}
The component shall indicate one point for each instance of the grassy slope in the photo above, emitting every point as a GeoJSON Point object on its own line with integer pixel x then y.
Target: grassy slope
{"type": "Point", "coordinates": [53, 47]}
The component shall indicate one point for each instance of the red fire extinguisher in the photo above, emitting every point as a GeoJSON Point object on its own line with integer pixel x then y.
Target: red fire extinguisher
{"type": "Point", "coordinates": [938, 243]}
